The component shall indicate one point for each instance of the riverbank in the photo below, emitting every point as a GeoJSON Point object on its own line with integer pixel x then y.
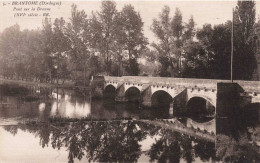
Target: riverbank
{"type": "Point", "coordinates": [41, 84]}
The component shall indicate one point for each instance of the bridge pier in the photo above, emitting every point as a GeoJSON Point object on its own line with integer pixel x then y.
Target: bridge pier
{"type": "Point", "coordinates": [120, 94]}
{"type": "Point", "coordinates": [179, 102]}
{"type": "Point", "coordinates": [146, 97]}
{"type": "Point", "coordinates": [229, 99]}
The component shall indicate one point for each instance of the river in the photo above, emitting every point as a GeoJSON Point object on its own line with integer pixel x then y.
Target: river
{"type": "Point", "coordinates": [44, 124]}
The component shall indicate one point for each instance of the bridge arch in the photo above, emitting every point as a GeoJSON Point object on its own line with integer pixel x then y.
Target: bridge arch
{"type": "Point", "coordinates": [130, 85]}
{"type": "Point", "coordinates": [109, 85]}
{"type": "Point", "coordinates": [127, 87]}
{"type": "Point", "coordinates": [199, 105]}
{"type": "Point", "coordinates": [211, 98]}
{"type": "Point", "coordinates": [109, 91]}
{"type": "Point", "coordinates": [132, 94]}
{"type": "Point", "coordinates": [161, 98]}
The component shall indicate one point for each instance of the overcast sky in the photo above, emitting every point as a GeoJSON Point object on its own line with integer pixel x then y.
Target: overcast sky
{"type": "Point", "coordinates": [216, 12]}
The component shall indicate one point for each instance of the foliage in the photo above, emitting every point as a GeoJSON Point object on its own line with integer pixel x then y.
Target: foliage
{"type": "Point", "coordinates": [212, 50]}
{"type": "Point", "coordinates": [108, 42]}
{"type": "Point", "coordinates": [112, 42]}
{"type": "Point", "coordinates": [172, 35]}
{"type": "Point", "coordinates": [244, 52]}
{"type": "Point", "coordinates": [229, 150]}
{"type": "Point", "coordinates": [130, 36]}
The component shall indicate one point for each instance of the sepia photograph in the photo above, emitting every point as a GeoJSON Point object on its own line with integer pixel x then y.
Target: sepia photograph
{"type": "Point", "coordinates": [169, 81]}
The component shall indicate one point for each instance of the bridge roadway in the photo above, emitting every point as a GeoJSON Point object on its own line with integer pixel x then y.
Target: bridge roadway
{"type": "Point", "coordinates": [181, 90]}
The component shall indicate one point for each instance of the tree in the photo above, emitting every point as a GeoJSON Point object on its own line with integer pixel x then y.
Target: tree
{"type": "Point", "coordinates": [197, 62]}
{"type": "Point", "coordinates": [26, 54]}
{"type": "Point", "coordinates": [79, 44]}
{"type": "Point", "coordinates": [46, 65]}
{"type": "Point", "coordinates": [13, 56]}
{"type": "Point", "coordinates": [256, 37]}
{"type": "Point", "coordinates": [214, 51]}
{"type": "Point", "coordinates": [60, 49]}
{"type": "Point", "coordinates": [149, 65]}
{"type": "Point", "coordinates": [161, 28]}
{"type": "Point", "coordinates": [95, 37]}
{"type": "Point", "coordinates": [32, 49]}
{"type": "Point", "coordinates": [246, 12]}
{"type": "Point", "coordinates": [172, 35]}
{"type": "Point", "coordinates": [177, 30]}
{"type": "Point", "coordinates": [107, 18]}
{"type": "Point", "coordinates": [189, 29]}
{"type": "Point", "coordinates": [244, 54]}
{"type": "Point", "coordinates": [130, 36]}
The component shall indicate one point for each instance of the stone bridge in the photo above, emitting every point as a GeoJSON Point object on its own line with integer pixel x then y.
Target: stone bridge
{"type": "Point", "coordinates": [220, 94]}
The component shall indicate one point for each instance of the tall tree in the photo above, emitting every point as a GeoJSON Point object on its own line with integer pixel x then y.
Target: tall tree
{"type": "Point", "coordinates": [60, 49]}
{"type": "Point", "coordinates": [256, 37]}
{"type": "Point", "coordinates": [172, 35]}
{"type": "Point", "coordinates": [79, 52]}
{"type": "Point", "coordinates": [107, 18]}
{"type": "Point", "coordinates": [244, 54]}
{"type": "Point", "coordinates": [161, 28]}
{"type": "Point", "coordinates": [32, 49]}
{"type": "Point", "coordinates": [177, 31]}
{"type": "Point", "coordinates": [11, 51]}
{"type": "Point", "coordinates": [130, 36]}
{"type": "Point", "coordinates": [46, 66]}
{"type": "Point", "coordinates": [95, 37]}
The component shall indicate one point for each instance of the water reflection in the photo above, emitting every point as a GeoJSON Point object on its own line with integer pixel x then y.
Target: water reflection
{"type": "Point", "coordinates": [43, 103]}
{"type": "Point", "coordinates": [64, 107]}
{"type": "Point", "coordinates": [114, 141]}
{"type": "Point", "coordinates": [242, 150]}
{"type": "Point", "coordinates": [37, 103]}
{"type": "Point", "coordinates": [179, 139]}
{"type": "Point", "coordinates": [238, 135]}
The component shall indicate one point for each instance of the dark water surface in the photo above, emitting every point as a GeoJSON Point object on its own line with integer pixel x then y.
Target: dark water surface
{"type": "Point", "coordinates": [32, 129]}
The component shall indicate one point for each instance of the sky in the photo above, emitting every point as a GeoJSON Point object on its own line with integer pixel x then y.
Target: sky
{"type": "Point", "coordinates": [212, 12]}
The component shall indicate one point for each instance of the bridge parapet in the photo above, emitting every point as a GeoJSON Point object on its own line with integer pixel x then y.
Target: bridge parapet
{"type": "Point", "coordinates": [249, 86]}
{"type": "Point", "coordinates": [163, 81]}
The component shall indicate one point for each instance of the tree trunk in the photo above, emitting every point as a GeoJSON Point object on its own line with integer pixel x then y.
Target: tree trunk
{"type": "Point", "coordinates": [84, 75]}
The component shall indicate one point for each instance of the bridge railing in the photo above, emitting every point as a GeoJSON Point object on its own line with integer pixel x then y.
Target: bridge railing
{"type": "Point", "coordinates": [162, 81]}
{"type": "Point", "coordinates": [248, 86]}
